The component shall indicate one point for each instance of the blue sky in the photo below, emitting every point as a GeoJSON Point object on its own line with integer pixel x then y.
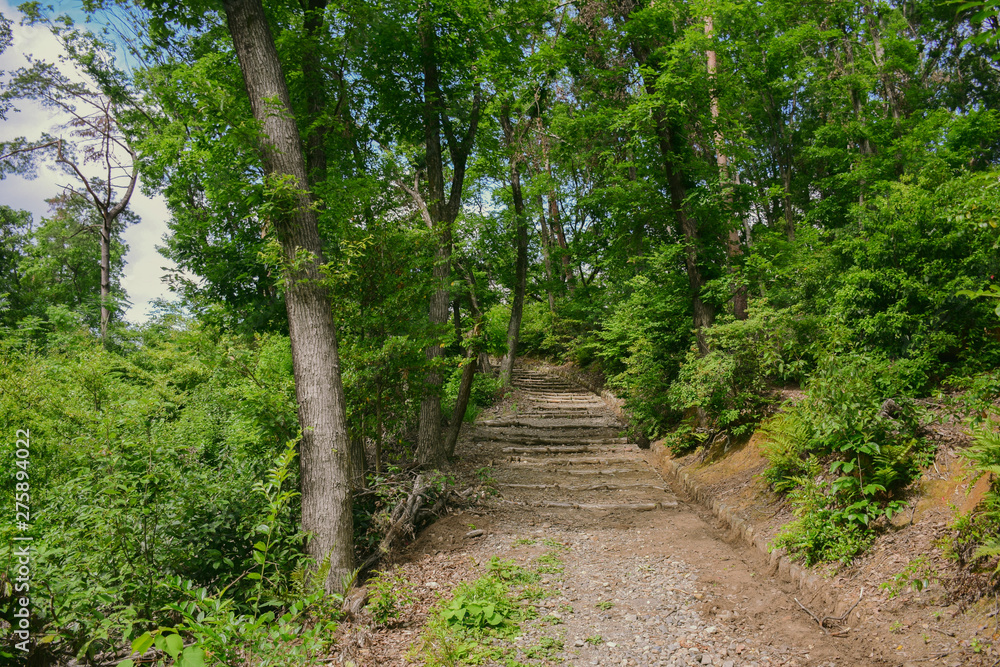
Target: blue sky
{"type": "Point", "coordinates": [143, 264]}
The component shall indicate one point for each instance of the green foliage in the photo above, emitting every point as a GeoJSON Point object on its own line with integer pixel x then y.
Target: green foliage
{"type": "Point", "coordinates": [918, 574]}
{"type": "Point", "coordinates": [171, 460]}
{"type": "Point", "coordinates": [976, 542]}
{"type": "Point", "coordinates": [644, 337]}
{"type": "Point", "coordinates": [842, 454]}
{"type": "Point", "coordinates": [390, 592]}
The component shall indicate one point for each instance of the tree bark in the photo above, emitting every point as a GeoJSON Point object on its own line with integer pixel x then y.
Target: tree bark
{"type": "Point", "coordinates": [733, 249]}
{"type": "Point", "coordinates": [521, 262]}
{"type": "Point", "coordinates": [702, 313]}
{"type": "Point", "coordinates": [105, 234]}
{"type": "Point", "coordinates": [546, 254]}
{"type": "Point", "coordinates": [324, 461]}
{"type": "Point", "coordinates": [441, 214]}
{"type": "Point", "coordinates": [555, 224]}
{"type": "Point", "coordinates": [429, 435]}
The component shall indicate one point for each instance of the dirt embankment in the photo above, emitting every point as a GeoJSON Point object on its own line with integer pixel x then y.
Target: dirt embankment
{"type": "Point", "coordinates": [902, 581]}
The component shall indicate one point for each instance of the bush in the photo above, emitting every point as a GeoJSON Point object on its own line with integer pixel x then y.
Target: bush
{"type": "Point", "coordinates": [842, 454]}
{"type": "Point", "coordinates": [730, 383]}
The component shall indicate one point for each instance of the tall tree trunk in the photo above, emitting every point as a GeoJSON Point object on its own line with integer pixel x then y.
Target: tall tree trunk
{"type": "Point", "coordinates": [521, 263]}
{"type": "Point", "coordinates": [546, 254]}
{"type": "Point", "coordinates": [702, 313]}
{"type": "Point", "coordinates": [786, 180]}
{"type": "Point", "coordinates": [733, 249]}
{"type": "Point", "coordinates": [429, 435]}
{"type": "Point", "coordinates": [105, 234]}
{"type": "Point", "coordinates": [468, 373]}
{"type": "Point", "coordinates": [324, 461]}
{"type": "Point", "coordinates": [555, 223]}
{"type": "Point", "coordinates": [441, 216]}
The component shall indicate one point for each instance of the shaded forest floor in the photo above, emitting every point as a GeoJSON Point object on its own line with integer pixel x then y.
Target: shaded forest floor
{"type": "Point", "coordinates": [628, 571]}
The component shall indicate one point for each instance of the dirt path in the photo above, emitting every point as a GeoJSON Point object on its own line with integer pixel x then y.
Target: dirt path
{"type": "Point", "coordinates": [635, 575]}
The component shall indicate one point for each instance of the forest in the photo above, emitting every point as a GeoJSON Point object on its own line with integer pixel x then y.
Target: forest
{"type": "Point", "coordinates": [705, 201]}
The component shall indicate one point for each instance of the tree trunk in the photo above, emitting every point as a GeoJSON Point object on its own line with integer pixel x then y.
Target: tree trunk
{"type": "Point", "coordinates": [546, 255]}
{"type": "Point", "coordinates": [105, 234]}
{"type": "Point", "coordinates": [786, 179]}
{"type": "Point", "coordinates": [733, 249]}
{"type": "Point", "coordinates": [461, 403]}
{"type": "Point", "coordinates": [702, 314]}
{"type": "Point", "coordinates": [429, 451]}
{"type": "Point", "coordinates": [441, 214]}
{"type": "Point", "coordinates": [324, 460]}
{"type": "Point", "coordinates": [555, 224]}
{"type": "Point", "coordinates": [521, 263]}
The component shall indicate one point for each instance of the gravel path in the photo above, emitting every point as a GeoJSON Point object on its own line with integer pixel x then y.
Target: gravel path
{"type": "Point", "coordinates": [634, 576]}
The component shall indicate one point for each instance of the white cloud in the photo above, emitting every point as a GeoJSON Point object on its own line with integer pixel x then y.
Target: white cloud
{"type": "Point", "coordinates": [143, 264]}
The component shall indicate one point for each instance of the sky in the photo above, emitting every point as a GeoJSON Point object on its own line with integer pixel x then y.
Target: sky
{"type": "Point", "coordinates": [144, 266]}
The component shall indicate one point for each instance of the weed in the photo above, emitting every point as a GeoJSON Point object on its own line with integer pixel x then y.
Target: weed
{"type": "Point", "coordinates": [918, 575]}
{"type": "Point", "coordinates": [485, 476]}
{"type": "Point", "coordinates": [554, 544]}
{"type": "Point", "coordinates": [594, 640]}
{"type": "Point", "coordinates": [605, 604]}
{"type": "Point", "coordinates": [390, 593]}
{"type": "Point", "coordinates": [509, 571]}
{"type": "Point", "coordinates": [523, 542]}
{"type": "Point", "coordinates": [533, 592]}
{"type": "Point", "coordinates": [549, 563]}
{"type": "Point", "coordinates": [547, 647]}
{"type": "Point", "coordinates": [896, 627]}
{"type": "Point", "coordinates": [551, 619]}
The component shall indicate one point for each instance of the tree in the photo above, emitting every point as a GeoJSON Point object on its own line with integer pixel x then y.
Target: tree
{"type": "Point", "coordinates": [325, 465]}
{"type": "Point", "coordinates": [98, 140]}
{"type": "Point", "coordinates": [512, 140]}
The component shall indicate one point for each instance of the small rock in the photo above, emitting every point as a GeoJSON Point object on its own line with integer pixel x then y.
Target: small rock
{"type": "Point", "coordinates": [578, 642]}
{"type": "Point", "coordinates": [711, 630]}
{"type": "Point", "coordinates": [475, 533]}
{"type": "Point", "coordinates": [431, 584]}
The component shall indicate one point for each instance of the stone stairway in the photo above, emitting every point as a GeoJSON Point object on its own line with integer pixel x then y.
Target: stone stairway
{"type": "Point", "coordinates": [562, 448]}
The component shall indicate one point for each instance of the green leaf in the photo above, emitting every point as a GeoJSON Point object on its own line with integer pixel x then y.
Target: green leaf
{"type": "Point", "coordinates": [142, 643]}
{"type": "Point", "coordinates": [174, 645]}
{"type": "Point", "coordinates": [192, 657]}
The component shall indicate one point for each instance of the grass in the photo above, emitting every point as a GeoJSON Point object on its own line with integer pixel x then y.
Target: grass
{"type": "Point", "coordinates": [475, 624]}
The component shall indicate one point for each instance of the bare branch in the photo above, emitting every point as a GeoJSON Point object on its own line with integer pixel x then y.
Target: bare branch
{"type": "Point", "coordinates": [418, 199]}
{"type": "Point", "coordinates": [29, 149]}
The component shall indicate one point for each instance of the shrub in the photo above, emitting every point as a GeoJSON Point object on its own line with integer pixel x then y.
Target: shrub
{"type": "Point", "coordinates": [842, 454]}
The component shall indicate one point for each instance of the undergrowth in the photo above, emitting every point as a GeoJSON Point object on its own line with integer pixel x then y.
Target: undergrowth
{"type": "Point", "coordinates": [474, 625]}
{"type": "Point", "coordinates": [843, 456]}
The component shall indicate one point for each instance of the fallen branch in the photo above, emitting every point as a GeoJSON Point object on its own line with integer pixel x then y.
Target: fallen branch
{"type": "Point", "coordinates": [403, 521]}
{"type": "Point", "coordinates": [814, 617]}
{"type": "Point", "coordinates": [822, 623]}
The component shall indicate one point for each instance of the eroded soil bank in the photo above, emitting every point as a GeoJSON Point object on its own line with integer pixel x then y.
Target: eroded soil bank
{"type": "Point", "coordinates": [633, 571]}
